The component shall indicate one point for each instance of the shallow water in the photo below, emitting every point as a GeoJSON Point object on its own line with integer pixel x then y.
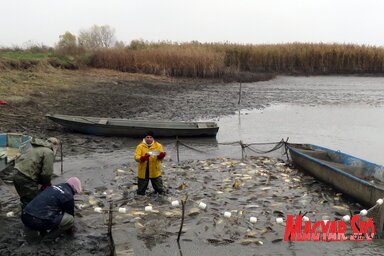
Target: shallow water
{"type": "Point", "coordinates": [343, 113]}
{"type": "Point", "coordinates": [354, 129]}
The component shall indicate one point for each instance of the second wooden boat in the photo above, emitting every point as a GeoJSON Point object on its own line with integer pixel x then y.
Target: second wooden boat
{"type": "Point", "coordinates": [358, 178]}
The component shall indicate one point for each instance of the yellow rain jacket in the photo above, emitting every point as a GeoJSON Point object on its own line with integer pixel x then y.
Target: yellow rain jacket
{"type": "Point", "coordinates": [154, 163]}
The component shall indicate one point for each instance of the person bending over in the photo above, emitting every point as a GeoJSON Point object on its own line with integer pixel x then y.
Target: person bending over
{"type": "Point", "coordinates": [53, 208]}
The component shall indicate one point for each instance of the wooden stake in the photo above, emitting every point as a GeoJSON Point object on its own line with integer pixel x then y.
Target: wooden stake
{"type": "Point", "coordinates": [239, 95]}
{"type": "Point", "coordinates": [177, 149]}
{"type": "Point", "coordinates": [182, 217]}
{"type": "Point", "coordinates": [61, 156]}
{"type": "Point", "coordinates": [110, 237]}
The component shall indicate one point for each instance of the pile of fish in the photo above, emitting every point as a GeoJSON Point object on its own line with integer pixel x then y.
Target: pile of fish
{"type": "Point", "coordinates": [227, 201]}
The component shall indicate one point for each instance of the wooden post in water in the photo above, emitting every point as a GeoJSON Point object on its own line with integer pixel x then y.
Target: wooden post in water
{"type": "Point", "coordinates": [286, 149]}
{"type": "Point", "coordinates": [182, 217]}
{"type": "Point", "coordinates": [61, 157]}
{"type": "Point", "coordinates": [110, 237]}
{"type": "Point", "coordinates": [239, 95]}
{"type": "Point", "coordinates": [177, 149]}
{"type": "Point", "coordinates": [242, 150]}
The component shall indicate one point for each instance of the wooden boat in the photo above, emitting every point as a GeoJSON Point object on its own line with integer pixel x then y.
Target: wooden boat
{"type": "Point", "coordinates": [11, 146]}
{"type": "Point", "coordinates": [134, 128]}
{"type": "Point", "coordinates": [360, 179]}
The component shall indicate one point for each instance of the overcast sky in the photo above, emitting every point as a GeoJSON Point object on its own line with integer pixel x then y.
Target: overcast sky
{"type": "Point", "coordinates": [235, 21]}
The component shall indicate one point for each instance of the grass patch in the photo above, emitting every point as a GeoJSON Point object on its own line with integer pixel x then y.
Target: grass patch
{"type": "Point", "coordinates": [24, 55]}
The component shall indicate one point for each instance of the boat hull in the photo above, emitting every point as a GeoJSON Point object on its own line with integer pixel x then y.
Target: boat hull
{"type": "Point", "coordinates": [346, 181]}
{"type": "Point", "coordinates": [11, 146]}
{"type": "Point", "coordinates": [134, 128]}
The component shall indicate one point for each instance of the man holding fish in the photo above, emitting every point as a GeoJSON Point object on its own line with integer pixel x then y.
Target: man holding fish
{"type": "Point", "coordinates": [149, 154]}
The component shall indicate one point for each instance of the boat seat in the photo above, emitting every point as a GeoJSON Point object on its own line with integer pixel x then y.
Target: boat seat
{"type": "Point", "coordinates": [103, 121]}
{"type": "Point", "coordinates": [202, 125]}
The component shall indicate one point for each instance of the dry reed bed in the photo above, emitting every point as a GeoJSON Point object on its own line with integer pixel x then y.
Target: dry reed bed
{"type": "Point", "coordinates": [221, 60]}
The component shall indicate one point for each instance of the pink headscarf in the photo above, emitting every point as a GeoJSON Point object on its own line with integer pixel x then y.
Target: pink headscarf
{"type": "Point", "coordinates": [75, 183]}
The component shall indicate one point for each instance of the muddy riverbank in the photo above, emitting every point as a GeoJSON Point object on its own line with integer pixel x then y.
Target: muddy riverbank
{"type": "Point", "coordinates": [106, 93]}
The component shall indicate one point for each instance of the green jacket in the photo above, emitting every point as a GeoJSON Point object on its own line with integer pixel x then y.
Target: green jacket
{"type": "Point", "coordinates": [154, 163]}
{"type": "Point", "coordinates": [37, 162]}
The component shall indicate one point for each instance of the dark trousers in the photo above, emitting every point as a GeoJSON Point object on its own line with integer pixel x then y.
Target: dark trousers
{"type": "Point", "coordinates": [157, 184]}
{"type": "Point", "coordinates": [40, 224]}
{"type": "Point", "coordinates": [25, 187]}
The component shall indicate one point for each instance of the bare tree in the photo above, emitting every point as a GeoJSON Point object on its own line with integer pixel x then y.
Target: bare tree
{"type": "Point", "coordinates": [97, 37]}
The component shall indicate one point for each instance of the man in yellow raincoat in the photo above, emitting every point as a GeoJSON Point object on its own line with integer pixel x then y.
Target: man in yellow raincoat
{"type": "Point", "coordinates": [149, 154]}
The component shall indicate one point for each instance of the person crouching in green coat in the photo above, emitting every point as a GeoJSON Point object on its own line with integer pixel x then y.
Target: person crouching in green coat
{"type": "Point", "coordinates": [33, 170]}
{"type": "Point", "coordinates": [149, 154]}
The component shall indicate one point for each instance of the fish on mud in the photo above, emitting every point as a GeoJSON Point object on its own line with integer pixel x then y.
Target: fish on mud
{"type": "Point", "coordinates": [182, 186]}
{"type": "Point", "coordinates": [248, 241]}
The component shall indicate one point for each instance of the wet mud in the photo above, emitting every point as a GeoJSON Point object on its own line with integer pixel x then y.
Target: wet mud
{"type": "Point", "coordinates": [233, 192]}
{"type": "Point", "coordinates": [266, 188]}
{"type": "Point", "coordinates": [261, 187]}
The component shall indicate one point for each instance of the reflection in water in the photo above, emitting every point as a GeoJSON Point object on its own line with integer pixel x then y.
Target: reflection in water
{"type": "Point", "coordinates": [356, 130]}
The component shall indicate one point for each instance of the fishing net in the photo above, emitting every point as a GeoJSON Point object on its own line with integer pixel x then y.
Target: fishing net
{"type": "Point", "coordinates": [377, 214]}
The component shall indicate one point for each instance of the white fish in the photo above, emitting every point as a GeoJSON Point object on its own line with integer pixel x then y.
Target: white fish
{"type": "Point", "coordinates": [92, 200]}
{"type": "Point", "coordinates": [247, 241]}
{"type": "Point", "coordinates": [137, 213]}
{"type": "Point", "coordinates": [252, 206]}
{"type": "Point", "coordinates": [193, 211]}
{"type": "Point", "coordinates": [138, 225]}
